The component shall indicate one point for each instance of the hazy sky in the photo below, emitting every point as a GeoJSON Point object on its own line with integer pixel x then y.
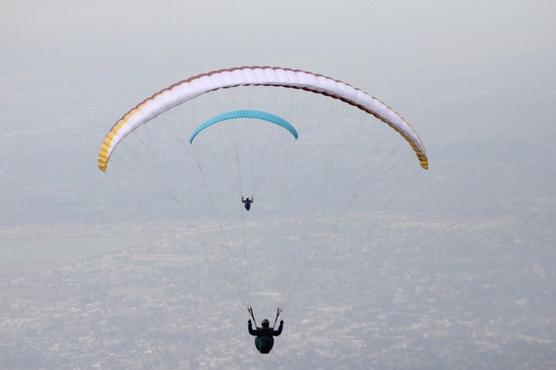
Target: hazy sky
{"type": "Point", "coordinates": [475, 78]}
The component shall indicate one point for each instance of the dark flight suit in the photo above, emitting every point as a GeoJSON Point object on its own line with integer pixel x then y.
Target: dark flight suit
{"type": "Point", "coordinates": [265, 336]}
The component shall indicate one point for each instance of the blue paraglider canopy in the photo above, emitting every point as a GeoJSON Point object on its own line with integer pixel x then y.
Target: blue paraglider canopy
{"type": "Point", "coordinates": [252, 114]}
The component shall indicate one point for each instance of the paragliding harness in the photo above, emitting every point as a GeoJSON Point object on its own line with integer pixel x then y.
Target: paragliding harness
{"type": "Point", "coordinates": [264, 343]}
{"type": "Point", "coordinates": [247, 204]}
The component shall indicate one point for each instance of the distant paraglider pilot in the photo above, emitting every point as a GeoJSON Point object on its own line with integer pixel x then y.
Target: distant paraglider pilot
{"type": "Point", "coordinates": [265, 335]}
{"type": "Point", "coordinates": [247, 202]}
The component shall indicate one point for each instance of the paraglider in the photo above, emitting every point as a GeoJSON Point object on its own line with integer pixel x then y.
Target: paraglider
{"type": "Point", "coordinates": [264, 334]}
{"type": "Point", "coordinates": [247, 203]}
{"type": "Point", "coordinates": [304, 81]}
{"type": "Point", "coordinates": [264, 340]}
{"type": "Point", "coordinates": [245, 114]}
